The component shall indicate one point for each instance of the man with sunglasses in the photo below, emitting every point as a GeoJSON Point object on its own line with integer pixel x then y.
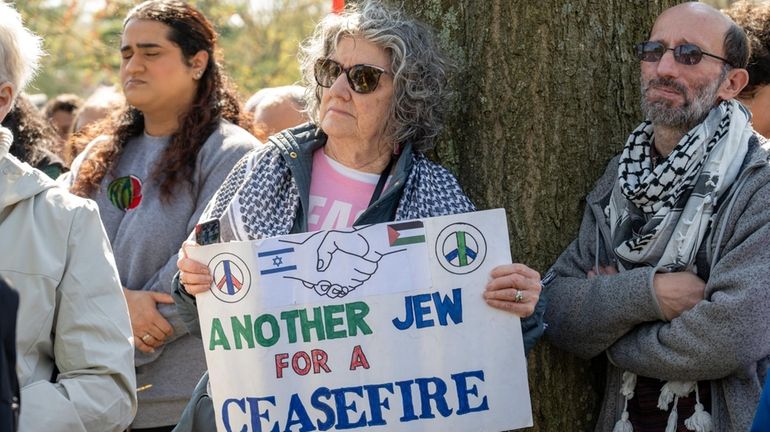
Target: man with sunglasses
{"type": "Point", "coordinates": [669, 277]}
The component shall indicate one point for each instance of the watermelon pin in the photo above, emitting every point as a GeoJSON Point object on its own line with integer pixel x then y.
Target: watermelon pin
{"type": "Point", "coordinates": [125, 193]}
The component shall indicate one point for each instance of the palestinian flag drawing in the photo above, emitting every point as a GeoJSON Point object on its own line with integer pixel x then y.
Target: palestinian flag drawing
{"type": "Point", "coordinates": [125, 193]}
{"type": "Point", "coordinates": [406, 233]}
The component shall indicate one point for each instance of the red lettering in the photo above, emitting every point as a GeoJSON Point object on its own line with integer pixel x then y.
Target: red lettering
{"type": "Point", "coordinates": [280, 364]}
{"type": "Point", "coordinates": [319, 361]}
{"type": "Point", "coordinates": [302, 362]}
{"type": "Point", "coordinates": [358, 359]}
{"type": "Point", "coordinates": [295, 363]}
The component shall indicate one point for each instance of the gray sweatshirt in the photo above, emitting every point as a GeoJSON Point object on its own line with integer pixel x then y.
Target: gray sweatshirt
{"type": "Point", "coordinates": [145, 241]}
{"type": "Point", "coordinates": [724, 339]}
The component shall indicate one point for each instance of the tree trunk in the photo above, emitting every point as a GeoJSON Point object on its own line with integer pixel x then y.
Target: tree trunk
{"type": "Point", "coordinates": [548, 92]}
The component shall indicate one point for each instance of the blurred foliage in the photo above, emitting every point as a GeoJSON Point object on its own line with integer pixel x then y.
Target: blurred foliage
{"type": "Point", "coordinates": [258, 43]}
{"type": "Point", "coordinates": [721, 4]}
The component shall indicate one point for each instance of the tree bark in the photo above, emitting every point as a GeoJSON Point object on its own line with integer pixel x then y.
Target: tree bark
{"type": "Point", "coordinates": [548, 92]}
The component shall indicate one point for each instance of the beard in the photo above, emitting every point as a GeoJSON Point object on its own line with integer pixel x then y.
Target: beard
{"type": "Point", "coordinates": [693, 111]}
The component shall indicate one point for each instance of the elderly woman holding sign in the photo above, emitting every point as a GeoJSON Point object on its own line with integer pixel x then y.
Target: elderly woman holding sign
{"type": "Point", "coordinates": [377, 95]}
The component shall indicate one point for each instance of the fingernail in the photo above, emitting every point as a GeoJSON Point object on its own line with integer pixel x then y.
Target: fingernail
{"type": "Point", "coordinates": [320, 264]}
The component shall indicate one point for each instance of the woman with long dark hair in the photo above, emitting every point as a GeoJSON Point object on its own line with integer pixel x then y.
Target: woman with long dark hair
{"type": "Point", "coordinates": [152, 170]}
{"type": "Point", "coordinates": [34, 140]}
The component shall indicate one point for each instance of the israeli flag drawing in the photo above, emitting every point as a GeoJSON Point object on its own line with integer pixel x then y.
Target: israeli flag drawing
{"type": "Point", "coordinates": [275, 261]}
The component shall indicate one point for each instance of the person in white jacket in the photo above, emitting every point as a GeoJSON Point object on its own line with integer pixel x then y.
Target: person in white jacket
{"type": "Point", "coordinates": [75, 356]}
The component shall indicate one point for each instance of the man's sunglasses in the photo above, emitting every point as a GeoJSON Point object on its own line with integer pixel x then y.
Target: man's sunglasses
{"type": "Point", "coordinates": [363, 78]}
{"type": "Point", "coordinates": [687, 54]}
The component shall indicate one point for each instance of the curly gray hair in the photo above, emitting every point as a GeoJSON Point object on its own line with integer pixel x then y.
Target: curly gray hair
{"type": "Point", "coordinates": [421, 94]}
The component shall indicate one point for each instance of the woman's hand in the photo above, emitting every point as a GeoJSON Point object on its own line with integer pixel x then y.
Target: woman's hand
{"type": "Point", "coordinates": [195, 276]}
{"type": "Point", "coordinates": [514, 288]}
{"type": "Point", "coordinates": [148, 325]}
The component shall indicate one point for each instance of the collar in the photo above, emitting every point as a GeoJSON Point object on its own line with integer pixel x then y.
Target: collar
{"type": "Point", "coordinates": [6, 138]}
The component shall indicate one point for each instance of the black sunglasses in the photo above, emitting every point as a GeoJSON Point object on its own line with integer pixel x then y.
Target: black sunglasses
{"type": "Point", "coordinates": [363, 78]}
{"type": "Point", "coordinates": [687, 54]}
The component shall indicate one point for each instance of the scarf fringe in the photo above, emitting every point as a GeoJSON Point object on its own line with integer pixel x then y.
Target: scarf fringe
{"type": "Point", "coordinates": [623, 425]}
{"type": "Point", "coordinates": [627, 390]}
{"type": "Point", "coordinates": [673, 417]}
{"type": "Point", "coordinates": [671, 391]}
{"type": "Point", "coordinates": [628, 386]}
{"type": "Point", "coordinates": [700, 420]}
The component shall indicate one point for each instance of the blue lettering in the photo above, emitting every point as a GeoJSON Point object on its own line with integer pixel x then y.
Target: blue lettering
{"type": "Point", "coordinates": [420, 311]}
{"type": "Point", "coordinates": [256, 423]}
{"type": "Point", "coordinates": [453, 308]}
{"type": "Point", "coordinates": [346, 407]}
{"type": "Point", "coordinates": [343, 422]}
{"type": "Point", "coordinates": [226, 413]}
{"type": "Point", "coordinates": [416, 310]}
{"type": "Point", "coordinates": [376, 404]}
{"type": "Point", "coordinates": [438, 396]}
{"type": "Point", "coordinates": [315, 401]}
{"type": "Point", "coordinates": [296, 407]}
{"type": "Point", "coordinates": [409, 318]}
{"type": "Point", "coordinates": [463, 391]}
{"type": "Point", "coordinates": [406, 401]}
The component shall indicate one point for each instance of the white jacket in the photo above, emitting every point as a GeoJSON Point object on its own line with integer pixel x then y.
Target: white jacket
{"type": "Point", "coordinates": [75, 356]}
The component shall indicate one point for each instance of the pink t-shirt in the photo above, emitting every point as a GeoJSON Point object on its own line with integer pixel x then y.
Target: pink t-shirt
{"type": "Point", "coordinates": [338, 194]}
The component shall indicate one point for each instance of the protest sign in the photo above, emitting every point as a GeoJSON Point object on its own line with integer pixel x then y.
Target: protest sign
{"type": "Point", "coordinates": [382, 326]}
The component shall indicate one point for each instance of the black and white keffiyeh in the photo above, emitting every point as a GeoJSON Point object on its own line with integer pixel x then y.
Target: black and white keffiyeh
{"type": "Point", "coordinates": [659, 216]}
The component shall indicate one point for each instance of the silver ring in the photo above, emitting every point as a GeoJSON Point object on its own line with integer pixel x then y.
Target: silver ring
{"type": "Point", "coordinates": [519, 297]}
{"type": "Point", "coordinates": [144, 338]}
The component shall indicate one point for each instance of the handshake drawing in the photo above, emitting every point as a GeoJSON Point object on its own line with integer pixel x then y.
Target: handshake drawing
{"type": "Point", "coordinates": [345, 260]}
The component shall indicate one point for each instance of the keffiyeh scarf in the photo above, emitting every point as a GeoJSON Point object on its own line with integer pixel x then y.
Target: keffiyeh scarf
{"type": "Point", "coordinates": [261, 199]}
{"type": "Point", "coordinates": [659, 215]}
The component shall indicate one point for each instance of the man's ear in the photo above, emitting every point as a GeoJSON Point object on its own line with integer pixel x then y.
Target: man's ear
{"type": "Point", "coordinates": [6, 99]}
{"type": "Point", "coordinates": [735, 81]}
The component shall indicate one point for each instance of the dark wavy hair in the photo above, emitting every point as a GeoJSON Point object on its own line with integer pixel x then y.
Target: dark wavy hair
{"type": "Point", "coordinates": [754, 18]}
{"type": "Point", "coordinates": [34, 139]}
{"type": "Point", "coordinates": [63, 102]}
{"type": "Point", "coordinates": [215, 99]}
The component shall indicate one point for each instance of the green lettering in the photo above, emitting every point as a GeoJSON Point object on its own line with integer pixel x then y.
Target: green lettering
{"type": "Point", "coordinates": [290, 318]}
{"type": "Point", "coordinates": [330, 322]}
{"type": "Point", "coordinates": [218, 336]}
{"type": "Point", "coordinates": [242, 331]}
{"type": "Point", "coordinates": [275, 331]}
{"type": "Point", "coordinates": [307, 324]}
{"type": "Point", "coordinates": [356, 312]}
